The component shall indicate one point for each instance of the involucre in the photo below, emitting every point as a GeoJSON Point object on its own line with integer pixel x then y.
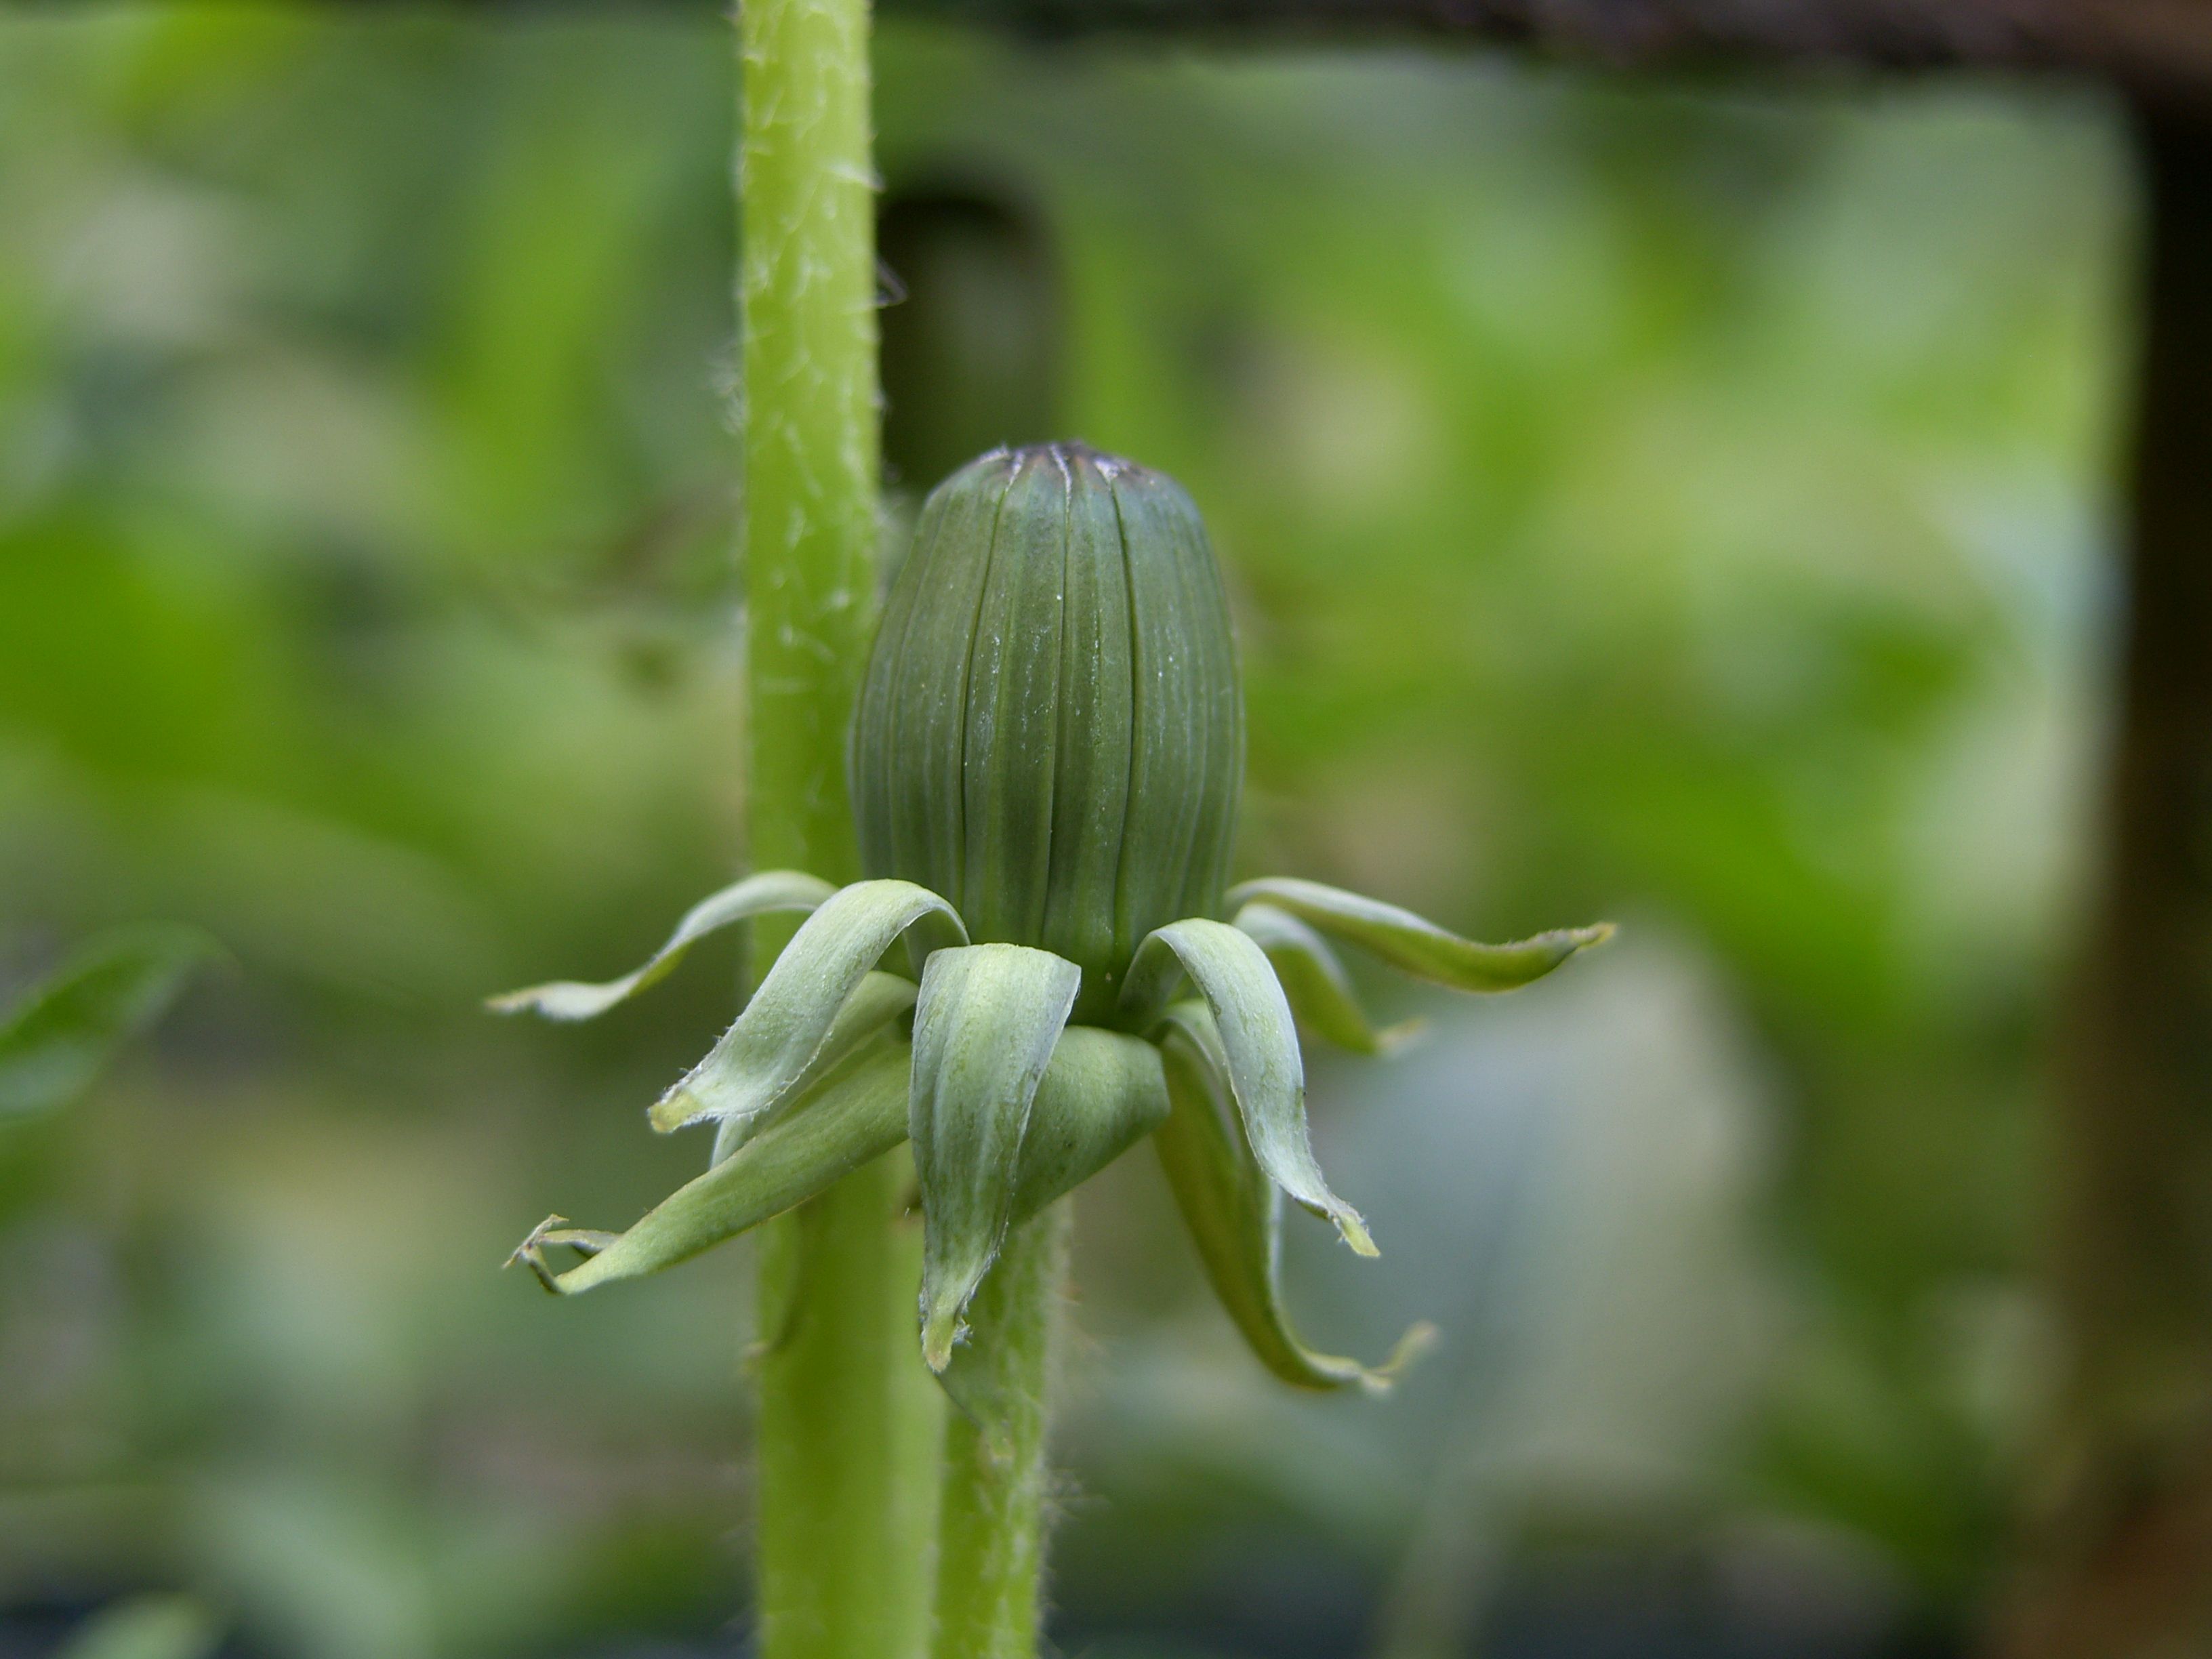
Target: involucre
{"type": "Point", "coordinates": [1051, 733]}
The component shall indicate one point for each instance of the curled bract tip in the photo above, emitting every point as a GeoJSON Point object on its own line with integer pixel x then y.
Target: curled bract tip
{"type": "Point", "coordinates": [555, 1230]}
{"type": "Point", "coordinates": [1420, 1336]}
{"type": "Point", "coordinates": [941, 1327]}
{"type": "Point", "coordinates": [676, 1110]}
{"type": "Point", "coordinates": [1392, 1039]}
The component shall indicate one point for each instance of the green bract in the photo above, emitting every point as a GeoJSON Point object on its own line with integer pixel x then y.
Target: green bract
{"type": "Point", "coordinates": [1045, 767]}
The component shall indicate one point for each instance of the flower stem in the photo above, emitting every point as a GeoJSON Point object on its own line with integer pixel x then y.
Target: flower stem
{"type": "Point", "coordinates": [849, 1419]}
{"type": "Point", "coordinates": [991, 1529]}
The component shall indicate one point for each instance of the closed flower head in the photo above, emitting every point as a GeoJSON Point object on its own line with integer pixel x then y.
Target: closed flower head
{"type": "Point", "coordinates": [1045, 766]}
{"type": "Point", "coordinates": [1052, 734]}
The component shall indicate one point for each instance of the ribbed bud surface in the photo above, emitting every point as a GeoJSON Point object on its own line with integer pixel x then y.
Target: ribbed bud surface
{"type": "Point", "coordinates": [1052, 733]}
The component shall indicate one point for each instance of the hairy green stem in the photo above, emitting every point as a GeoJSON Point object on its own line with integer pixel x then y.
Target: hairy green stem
{"type": "Point", "coordinates": [849, 1419]}
{"type": "Point", "coordinates": [991, 1529]}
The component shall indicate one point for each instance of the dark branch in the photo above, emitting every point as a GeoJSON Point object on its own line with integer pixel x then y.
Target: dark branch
{"type": "Point", "coordinates": [2154, 46]}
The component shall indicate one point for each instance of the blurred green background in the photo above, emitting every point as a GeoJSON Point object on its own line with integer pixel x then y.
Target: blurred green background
{"type": "Point", "coordinates": [1685, 502]}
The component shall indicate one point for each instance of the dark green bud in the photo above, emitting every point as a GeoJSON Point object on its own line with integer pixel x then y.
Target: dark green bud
{"type": "Point", "coordinates": [1051, 734]}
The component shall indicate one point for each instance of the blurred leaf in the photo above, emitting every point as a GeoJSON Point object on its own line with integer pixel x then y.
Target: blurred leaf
{"type": "Point", "coordinates": [147, 1627]}
{"type": "Point", "coordinates": [55, 1043]}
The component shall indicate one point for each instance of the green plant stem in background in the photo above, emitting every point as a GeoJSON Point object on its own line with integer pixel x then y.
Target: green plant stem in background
{"type": "Point", "coordinates": [847, 1417]}
{"type": "Point", "coordinates": [991, 1530]}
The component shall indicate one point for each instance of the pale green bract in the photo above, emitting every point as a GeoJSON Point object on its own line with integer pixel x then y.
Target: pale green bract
{"type": "Point", "coordinates": [761, 1057]}
{"type": "Point", "coordinates": [1235, 1215]}
{"type": "Point", "coordinates": [1261, 1042]}
{"type": "Point", "coordinates": [1010, 1108]}
{"type": "Point", "coordinates": [984, 1027]}
{"type": "Point", "coordinates": [856, 1113]}
{"type": "Point", "coordinates": [1102, 1093]}
{"type": "Point", "coordinates": [1415, 945]}
{"type": "Point", "coordinates": [756, 896]}
{"type": "Point", "coordinates": [877, 1000]}
{"type": "Point", "coordinates": [1314, 980]}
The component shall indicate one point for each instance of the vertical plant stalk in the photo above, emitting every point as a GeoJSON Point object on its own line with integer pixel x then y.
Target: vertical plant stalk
{"type": "Point", "coordinates": [847, 1417]}
{"type": "Point", "coordinates": [991, 1530]}
{"type": "Point", "coordinates": [2117, 1551]}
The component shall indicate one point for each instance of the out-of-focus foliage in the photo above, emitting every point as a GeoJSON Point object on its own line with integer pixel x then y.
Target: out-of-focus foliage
{"type": "Point", "coordinates": [147, 1627]}
{"type": "Point", "coordinates": [1684, 503]}
{"type": "Point", "coordinates": [64, 1032]}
